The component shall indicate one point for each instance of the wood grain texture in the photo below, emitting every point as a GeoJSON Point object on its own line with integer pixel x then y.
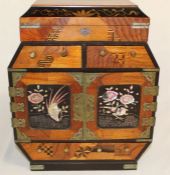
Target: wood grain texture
{"type": "Point", "coordinates": [83, 151]}
{"type": "Point", "coordinates": [70, 27]}
{"type": "Point", "coordinates": [35, 56]}
{"type": "Point", "coordinates": [118, 57]}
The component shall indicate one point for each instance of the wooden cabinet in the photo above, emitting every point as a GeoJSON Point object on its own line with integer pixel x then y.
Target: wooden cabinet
{"type": "Point", "coordinates": [83, 101]}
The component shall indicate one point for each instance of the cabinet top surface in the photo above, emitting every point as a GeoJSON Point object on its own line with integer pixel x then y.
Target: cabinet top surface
{"type": "Point", "coordinates": [43, 3]}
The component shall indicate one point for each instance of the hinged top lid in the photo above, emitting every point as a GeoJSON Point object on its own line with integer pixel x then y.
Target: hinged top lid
{"type": "Point", "coordinates": [87, 3]}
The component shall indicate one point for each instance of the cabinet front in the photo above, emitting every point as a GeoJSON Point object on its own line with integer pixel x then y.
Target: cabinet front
{"type": "Point", "coordinates": [83, 106]}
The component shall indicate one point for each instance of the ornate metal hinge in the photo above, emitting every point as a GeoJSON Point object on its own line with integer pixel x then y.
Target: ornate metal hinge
{"type": "Point", "coordinates": [150, 76]}
{"type": "Point", "coordinates": [148, 121]}
{"type": "Point", "coordinates": [16, 92]}
{"type": "Point", "coordinates": [18, 123]}
{"type": "Point", "coordinates": [22, 137]}
{"type": "Point", "coordinates": [146, 133]}
{"type": "Point", "coordinates": [89, 135]}
{"type": "Point", "coordinates": [151, 90]}
{"type": "Point", "coordinates": [17, 76]}
{"type": "Point", "coordinates": [78, 135]}
{"type": "Point", "coordinates": [150, 106]}
{"type": "Point", "coordinates": [130, 166]}
{"type": "Point", "coordinates": [17, 107]}
{"type": "Point", "coordinates": [37, 167]}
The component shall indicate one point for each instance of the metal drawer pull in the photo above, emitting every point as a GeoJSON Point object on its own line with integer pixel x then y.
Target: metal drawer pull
{"type": "Point", "coordinates": [64, 52]}
{"type": "Point", "coordinates": [133, 54]}
{"type": "Point", "coordinates": [33, 54]}
{"type": "Point", "coordinates": [85, 31]}
{"type": "Point", "coordinates": [103, 53]}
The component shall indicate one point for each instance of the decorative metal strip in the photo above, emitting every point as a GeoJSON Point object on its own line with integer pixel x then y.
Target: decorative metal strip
{"type": "Point", "coordinates": [150, 106]}
{"type": "Point", "coordinates": [78, 135]}
{"type": "Point", "coordinates": [77, 77]}
{"type": "Point", "coordinates": [151, 70]}
{"type": "Point", "coordinates": [139, 27]}
{"type": "Point", "coordinates": [16, 77]}
{"type": "Point", "coordinates": [140, 24]}
{"type": "Point", "coordinates": [16, 92]}
{"type": "Point", "coordinates": [30, 27]}
{"type": "Point", "coordinates": [90, 107]}
{"type": "Point", "coordinates": [130, 166]}
{"type": "Point", "coordinates": [17, 70]}
{"type": "Point", "coordinates": [22, 137]}
{"type": "Point", "coordinates": [145, 133]}
{"type": "Point", "coordinates": [150, 76]}
{"type": "Point", "coordinates": [78, 106]}
{"type": "Point", "coordinates": [143, 140]}
{"type": "Point", "coordinates": [17, 107]}
{"type": "Point", "coordinates": [151, 90]}
{"type": "Point", "coordinates": [18, 123]}
{"type": "Point", "coordinates": [89, 78]}
{"type": "Point", "coordinates": [89, 135]}
{"type": "Point", "coordinates": [149, 121]}
{"type": "Point", "coordinates": [37, 167]}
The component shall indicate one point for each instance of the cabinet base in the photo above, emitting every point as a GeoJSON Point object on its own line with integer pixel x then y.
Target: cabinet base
{"type": "Point", "coordinates": [82, 165]}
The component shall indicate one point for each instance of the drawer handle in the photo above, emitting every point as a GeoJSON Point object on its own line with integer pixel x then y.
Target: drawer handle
{"type": "Point", "coordinates": [64, 52]}
{"type": "Point", "coordinates": [32, 54]}
{"type": "Point", "coordinates": [103, 53]}
{"type": "Point", "coordinates": [85, 31]}
{"type": "Point", "coordinates": [133, 54]}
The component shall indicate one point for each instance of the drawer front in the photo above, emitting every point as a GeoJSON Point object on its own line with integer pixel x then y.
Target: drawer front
{"type": "Point", "coordinates": [42, 106]}
{"type": "Point", "coordinates": [85, 33]}
{"type": "Point", "coordinates": [49, 57]}
{"type": "Point", "coordinates": [118, 57]}
{"type": "Point", "coordinates": [83, 151]}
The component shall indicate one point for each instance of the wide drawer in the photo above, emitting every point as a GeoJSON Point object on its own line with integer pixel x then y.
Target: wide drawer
{"type": "Point", "coordinates": [49, 57]}
{"type": "Point", "coordinates": [84, 33]}
{"type": "Point", "coordinates": [83, 151]}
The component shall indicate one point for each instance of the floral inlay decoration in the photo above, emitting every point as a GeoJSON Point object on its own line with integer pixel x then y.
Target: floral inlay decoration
{"type": "Point", "coordinates": [49, 106]}
{"type": "Point", "coordinates": [118, 106]}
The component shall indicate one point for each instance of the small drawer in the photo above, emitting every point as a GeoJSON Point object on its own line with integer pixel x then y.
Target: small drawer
{"type": "Point", "coordinates": [49, 57]}
{"type": "Point", "coordinates": [118, 57]}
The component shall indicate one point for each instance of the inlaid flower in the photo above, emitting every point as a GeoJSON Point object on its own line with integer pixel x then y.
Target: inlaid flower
{"type": "Point", "coordinates": [127, 99]}
{"type": "Point", "coordinates": [35, 98]}
{"type": "Point", "coordinates": [84, 13]}
{"type": "Point", "coordinates": [110, 95]}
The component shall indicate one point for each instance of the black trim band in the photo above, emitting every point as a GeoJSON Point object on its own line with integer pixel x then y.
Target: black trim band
{"type": "Point", "coordinates": [84, 12]}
